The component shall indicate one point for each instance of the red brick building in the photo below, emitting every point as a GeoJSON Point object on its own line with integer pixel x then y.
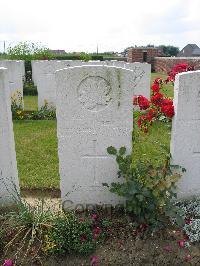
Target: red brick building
{"type": "Point", "coordinates": [143, 54]}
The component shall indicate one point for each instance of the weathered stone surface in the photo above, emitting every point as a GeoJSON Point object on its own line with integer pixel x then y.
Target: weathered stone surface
{"type": "Point", "coordinates": [43, 73]}
{"type": "Point", "coordinates": [185, 141]}
{"type": "Point", "coordinates": [9, 185]}
{"type": "Point", "coordinates": [94, 111]}
{"type": "Point", "coordinates": [142, 78]}
{"type": "Point", "coordinates": [16, 74]}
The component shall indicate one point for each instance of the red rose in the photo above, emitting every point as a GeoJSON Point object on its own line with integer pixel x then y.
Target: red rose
{"type": "Point", "coordinates": [155, 87]}
{"type": "Point", "coordinates": [158, 81]}
{"type": "Point", "coordinates": [157, 99]}
{"type": "Point", "coordinates": [168, 110]}
{"type": "Point", "coordinates": [151, 114]}
{"type": "Point", "coordinates": [167, 102]}
{"type": "Point", "coordinates": [143, 102]}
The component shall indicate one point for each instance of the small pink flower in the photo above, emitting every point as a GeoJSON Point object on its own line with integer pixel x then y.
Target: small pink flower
{"type": "Point", "coordinates": [186, 237]}
{"type": "Point", "coordinates": [94, 260]}
{"type": "Point", "coordinates": [168, 248]}
{"type": "Point", "coordinates": [188, 221]}
{"type": "Point", "coordinates": [188, 258]}
{"type": "Point", "coordinates": [94, 216]}
{"type": "Point", "coordinates": [83, 238]}
{"type": "Point", "coordinates": [97, 230]}
{"type": "Point", "coordinates": [82, 219]}
{"type": "Point", "coordinates": [181, 243]}
{"type": "Point", "coordinates": [178, 232]}
{"type": "Point", "coordinates": [8, 262]}
{"type": "Point", "coordinates": [96, 233]}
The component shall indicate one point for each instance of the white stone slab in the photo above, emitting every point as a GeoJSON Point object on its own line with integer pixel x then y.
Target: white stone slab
{"type": "Point", "coordinates": [94, 111]}
{"type": "Point", "coordinates": [16, 74]}
{"type": "Point", "coordinates": [142, 72]}
{"type": "Point", "coordinates": [43, 74]}
{"type": "Point", "coordinates": [9, 185]}
{"type": "Point", "coordinates": [185, 141]}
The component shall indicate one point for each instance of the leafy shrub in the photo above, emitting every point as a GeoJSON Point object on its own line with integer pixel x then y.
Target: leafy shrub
{"type": "Point", "coordinates": [75, 57]}
{"type": "Point", "coordinates": [46, 112]}
{"type": "Point", "coordinates": [28, 51]}
{"type": "Point", "coordinates": [69, 235]}
{"type": "Point", "coordinates": [149, 191]}
{"type": "Point", "coordinates": [17, 105]}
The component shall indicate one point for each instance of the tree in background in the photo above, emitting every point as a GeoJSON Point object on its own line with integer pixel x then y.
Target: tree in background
{"type": "Point", "coordinates": [169, 50]}
{"type": "Point", "coordinates": [28, 51]}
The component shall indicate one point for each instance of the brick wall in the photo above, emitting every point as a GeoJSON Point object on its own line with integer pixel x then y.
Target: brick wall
{"type": "Point", "coordinates": [136, 54]}
{"type": "Point", "coordinates": [165, 64]}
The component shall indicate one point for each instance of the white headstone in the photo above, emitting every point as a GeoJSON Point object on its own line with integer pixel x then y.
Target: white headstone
{"type": "Point", "coordinates": [94, 111]}
{"type": "Point", "coordinates": [142, 73]}
{"type": "Point", "coordinates": [185, 141]}
{"type": "Point", "coordinates": [9, 185]}
{"type": "Point", "coordinates": [16, 75]}
{"type": "Point", "coordinates": [43, 73]}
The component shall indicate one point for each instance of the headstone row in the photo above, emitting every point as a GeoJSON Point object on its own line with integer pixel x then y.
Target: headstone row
{"type": "Point", "coordinates": [94, 111]}
{"type": "Point", "coordinates": [43, 74]}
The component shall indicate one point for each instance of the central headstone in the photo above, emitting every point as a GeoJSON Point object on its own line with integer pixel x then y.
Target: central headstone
{"type": "Point", "coordinates": [94, 111]}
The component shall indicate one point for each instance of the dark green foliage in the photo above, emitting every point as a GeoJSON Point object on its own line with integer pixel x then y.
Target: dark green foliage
{"type": "Point", "coordinates": [1, 239]}
{"type": "Point", "coordinates": [148, 190]}
{"type": "Point", "coordinates": [69, 235]}
{"type": "Point", "coordinates": [46, 112]}
{"type": "Point", "coordinates": [75, 57]}
{"type": "Point", "coordinates": [169, 50]}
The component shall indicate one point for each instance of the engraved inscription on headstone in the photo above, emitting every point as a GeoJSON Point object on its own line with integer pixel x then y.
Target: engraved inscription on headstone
{"type": "Point", "coordinates": [94, 93]}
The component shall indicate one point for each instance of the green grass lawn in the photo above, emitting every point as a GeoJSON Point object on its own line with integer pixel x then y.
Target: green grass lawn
{"type": "Point", "coordinates": [30, 103]}
{"type": "Point", "coordinates": [167, 89]}
{"type": "Point", "coordinates": [36, 147]}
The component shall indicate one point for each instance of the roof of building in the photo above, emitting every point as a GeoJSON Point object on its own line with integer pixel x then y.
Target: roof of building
{"type": "Point", "coordinates": [194, 46]}
{"type": "Point", "coordinates": [196, 51]}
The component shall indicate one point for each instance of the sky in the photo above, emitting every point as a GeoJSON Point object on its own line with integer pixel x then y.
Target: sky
{"type": "Point", "coordinates": [113, 25]}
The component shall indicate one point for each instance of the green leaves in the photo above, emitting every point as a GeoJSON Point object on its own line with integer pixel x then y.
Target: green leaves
{"type": "Point", "coordinates": [122, 150]}
{"type": "Point", "coordinates": [148, 190]}
{"type": "Point", "coordinates": [111, 150]}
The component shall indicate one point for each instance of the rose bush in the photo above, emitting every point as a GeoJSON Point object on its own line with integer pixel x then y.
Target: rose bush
{"type": "Point", "coordinates": [159, 106]}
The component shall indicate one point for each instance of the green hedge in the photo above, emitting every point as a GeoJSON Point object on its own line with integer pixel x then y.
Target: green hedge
{"type": "Point", "coordinates": [30, 89]}
{"type": "Point", "coordinates": [75, 57]}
